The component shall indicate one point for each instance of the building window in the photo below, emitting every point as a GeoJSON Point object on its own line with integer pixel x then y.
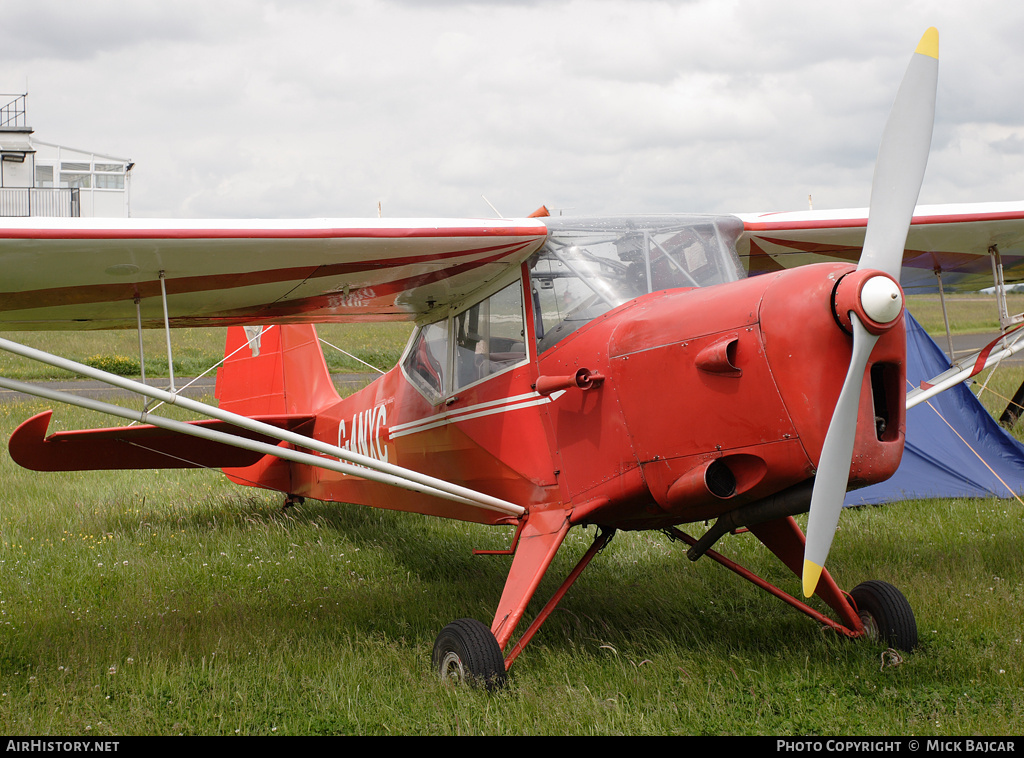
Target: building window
{"type": "Point", "coordinates": [86, 176]}
{"type": "Point", "coordinates": [109, 181]}
{"type": "Point", "coordinates": [75, 180]}
{"type": "Point", "coordinates": [44, 176]}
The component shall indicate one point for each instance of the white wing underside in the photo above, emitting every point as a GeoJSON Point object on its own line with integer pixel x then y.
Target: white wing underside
{"type": "Point", "coordinates": [88, 273]}
{"type": "Point", "coordinates": [953, 239]}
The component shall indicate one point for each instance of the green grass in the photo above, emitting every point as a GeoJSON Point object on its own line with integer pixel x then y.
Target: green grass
{"type": "Point", "coordinates": [162, 603]}
{"type": "Point", "coordinates": [967, 313]}
{"type": "Point", "coordinates": [177, 603]}
{"type": "Point", "coordinates": [194, 350]}
{"type": "Point", "coordinates": [995, 390]}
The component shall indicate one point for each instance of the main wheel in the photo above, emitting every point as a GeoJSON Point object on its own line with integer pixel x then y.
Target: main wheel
{"type": "Point", "coordinates": [466, 651]}
{"type": "Point", "coordinates": [886, 614]}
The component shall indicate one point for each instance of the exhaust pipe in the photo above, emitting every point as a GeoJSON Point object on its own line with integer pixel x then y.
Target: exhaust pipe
{"type": "Point", "coordinates": [789, 502]}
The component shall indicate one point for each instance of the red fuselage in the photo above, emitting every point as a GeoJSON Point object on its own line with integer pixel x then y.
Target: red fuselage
{"type": "Point", "coordinates": [705, 399]}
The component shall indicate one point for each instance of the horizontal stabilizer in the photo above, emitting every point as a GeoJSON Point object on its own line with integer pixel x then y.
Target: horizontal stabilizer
{"type": "Point", "coordinates": [136, 447]}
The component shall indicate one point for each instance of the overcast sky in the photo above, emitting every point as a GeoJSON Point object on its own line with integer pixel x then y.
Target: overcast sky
{"type": "Point", "coordinates": [285, 108]}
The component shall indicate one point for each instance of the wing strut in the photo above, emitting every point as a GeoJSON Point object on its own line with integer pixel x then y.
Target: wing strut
{"type": "Point", "coordinates": [167, 326]}
{"type": "Point", "coordinates": [348, 462]}
{"type": "Point", "coordinates": [965, 368]}
{"type": "Point", "coordinates": [945, 315]}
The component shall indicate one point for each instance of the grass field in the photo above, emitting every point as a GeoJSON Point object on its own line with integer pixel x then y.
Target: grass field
{"type": "Point", "coordinates": [194, 350]}
{"type": "Point", "coordinates": [164, 603]}
{"type": "Point", "coordinates": [966, 312]}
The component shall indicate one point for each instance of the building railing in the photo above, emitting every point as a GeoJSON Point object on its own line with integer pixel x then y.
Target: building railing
{"type": "Point", "coordinates": [58, 202]}
{"type": "Point", "coordinates": [13, 113]}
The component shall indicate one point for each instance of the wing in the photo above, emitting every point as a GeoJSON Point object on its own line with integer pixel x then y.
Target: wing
{"type": "Point", "coordinates": [88, 273]}
{"type": "Point", "coordinates": [953, 239]}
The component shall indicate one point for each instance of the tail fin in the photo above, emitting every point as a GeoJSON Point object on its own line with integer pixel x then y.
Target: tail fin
{"type": "Point", "coordinates": [274, 370]}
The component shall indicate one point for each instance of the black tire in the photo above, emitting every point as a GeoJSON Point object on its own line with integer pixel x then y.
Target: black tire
{"type": "Point", "coordinates": [466, 651]}
{"type": "Point", "coordinates": [886, 614]}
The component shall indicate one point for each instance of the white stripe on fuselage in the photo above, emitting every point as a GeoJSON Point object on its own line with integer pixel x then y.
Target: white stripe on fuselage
{"type": "Point", "coordinates": [490, 408]}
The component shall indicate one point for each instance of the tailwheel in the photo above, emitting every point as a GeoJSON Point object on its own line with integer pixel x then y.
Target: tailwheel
{"type": "Point", "coordinates": [886, 614]}
{"type": "Point", "coordinates": [466, 651]}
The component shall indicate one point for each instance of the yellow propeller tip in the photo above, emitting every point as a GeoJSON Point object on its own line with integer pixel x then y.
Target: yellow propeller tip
{"type": "Point", "coordinates": [929, 44]}
{"type": "Point", "coordinates": [812, 573]}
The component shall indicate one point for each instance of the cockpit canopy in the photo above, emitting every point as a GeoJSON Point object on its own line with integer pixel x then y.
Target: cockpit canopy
{"type": "Point", "coordinates": [586, 268]}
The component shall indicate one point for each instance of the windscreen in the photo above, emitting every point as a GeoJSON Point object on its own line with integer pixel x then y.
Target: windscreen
{"type": "Point", "coordinates": [589, 266]}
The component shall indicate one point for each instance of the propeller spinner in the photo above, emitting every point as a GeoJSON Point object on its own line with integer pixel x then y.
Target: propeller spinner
{"type": "Point", "coordinates": [874, 302]}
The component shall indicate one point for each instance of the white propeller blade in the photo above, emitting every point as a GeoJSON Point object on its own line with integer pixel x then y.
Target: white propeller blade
{"type": "Point", "coordinates": [899, 172]}
{"type": "Point", "coordinates": [902, 158]}
{"type": "Point", "coordinates": [834, 466]}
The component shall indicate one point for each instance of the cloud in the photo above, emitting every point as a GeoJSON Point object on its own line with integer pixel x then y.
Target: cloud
{"type": "Point", "coordinates": [77, 32]}
{"type": "Point", "coordinates": [323, 108]}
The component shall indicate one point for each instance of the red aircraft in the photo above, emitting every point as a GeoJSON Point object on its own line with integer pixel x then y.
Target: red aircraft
{"type": "Point", "coordinates": [617, 372]}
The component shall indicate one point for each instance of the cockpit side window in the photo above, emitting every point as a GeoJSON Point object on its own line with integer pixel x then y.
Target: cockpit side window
{"type": "Point", "coordinates": [425, 362]}
{"type": "Point", "coordinates": [480, 341]}
{"type": "Point", "coordinates": [490, 336]}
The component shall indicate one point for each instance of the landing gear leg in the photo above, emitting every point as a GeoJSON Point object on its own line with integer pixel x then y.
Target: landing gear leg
{"type": "Point", "coordinates": [467, 651]}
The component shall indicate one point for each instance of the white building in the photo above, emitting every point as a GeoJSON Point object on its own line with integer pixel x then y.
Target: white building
{"type": "Point", "coordinates": [42, 179]}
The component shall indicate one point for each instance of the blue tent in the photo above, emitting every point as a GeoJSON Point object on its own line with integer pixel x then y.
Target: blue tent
{"type": "Point", "coordinates": [950, 439]}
